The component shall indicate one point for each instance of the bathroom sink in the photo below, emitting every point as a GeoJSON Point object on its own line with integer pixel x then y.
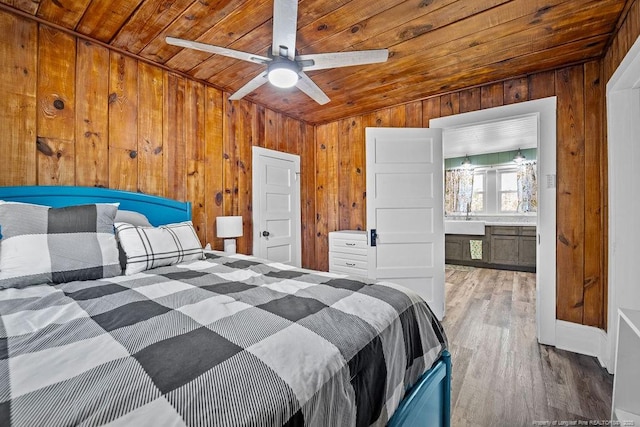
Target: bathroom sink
{"type": "Point", "coordinates": [475, 228]}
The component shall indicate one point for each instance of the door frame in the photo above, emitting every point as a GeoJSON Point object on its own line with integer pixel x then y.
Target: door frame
{"type": "Point", "coordinates": [256, 152]}
{"type": "Point", "coordinates": [623, 127]}
{"type": "Point", "coordinates": [545, 108]}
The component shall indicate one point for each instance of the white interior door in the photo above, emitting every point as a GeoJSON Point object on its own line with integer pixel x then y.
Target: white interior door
{"type": "Point", "coordinates": [276, 206]}
{"type": "Point", "coordinates": [405, 208]}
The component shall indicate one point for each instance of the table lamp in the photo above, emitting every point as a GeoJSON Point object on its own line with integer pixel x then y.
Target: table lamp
{"type": "Point", "coordinates": [229, 226]}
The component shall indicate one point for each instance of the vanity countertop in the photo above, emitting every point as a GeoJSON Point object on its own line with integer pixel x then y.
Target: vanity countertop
{"type": "Point", "coordinates": [510, 223]}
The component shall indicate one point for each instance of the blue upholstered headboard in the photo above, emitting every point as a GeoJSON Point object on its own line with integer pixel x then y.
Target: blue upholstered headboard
{"type": "Point", "coordinates": [159, 210]}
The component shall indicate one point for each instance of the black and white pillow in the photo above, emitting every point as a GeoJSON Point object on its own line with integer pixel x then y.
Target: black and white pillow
{"type": "Point", "coordinates": [41, 244]}
{"type": "Point", "coordinates": [150, 247]}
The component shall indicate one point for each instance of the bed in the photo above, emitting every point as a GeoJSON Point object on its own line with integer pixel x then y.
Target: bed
{"type": "Point", "coordinates": [205, 338]}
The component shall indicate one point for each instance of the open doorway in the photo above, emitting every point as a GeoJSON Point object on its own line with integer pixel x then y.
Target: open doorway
{"type": "Point", "coordinates": [545, 111]}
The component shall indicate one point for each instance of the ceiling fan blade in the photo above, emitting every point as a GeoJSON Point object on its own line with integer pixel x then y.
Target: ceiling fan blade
{"type": "Point", "coordinates": [237, 54]}
{"type": "Point", "coordinates": [322, 61]}
{"type": "Point", "coordinates": [307, 85]}
{"type": "Point", "coordinates": [252, 85]}
{"type": "Point", "coordinates": [285, 22]}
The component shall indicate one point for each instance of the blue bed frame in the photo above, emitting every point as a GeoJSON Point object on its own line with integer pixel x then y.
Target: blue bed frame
{"type": "Point", "coordinates": [158, 210]}
{"type": "Point", "coordinates": [428, 403]}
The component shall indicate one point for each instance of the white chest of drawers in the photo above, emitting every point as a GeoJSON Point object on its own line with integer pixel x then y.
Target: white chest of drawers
{"type": "Point", "coordinates": [625, 405]}
{"type": "Point", "coordinates": [348, 252]}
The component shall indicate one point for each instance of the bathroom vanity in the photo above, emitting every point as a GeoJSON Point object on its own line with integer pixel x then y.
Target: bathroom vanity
{"type": "Point", "coordinates": [507, 246]}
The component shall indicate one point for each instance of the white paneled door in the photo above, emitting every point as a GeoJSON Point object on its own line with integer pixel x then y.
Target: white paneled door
{"type": "Point", "coordinates": [405, 215]}
{"type": "Point", "coordinates": [276, 206]}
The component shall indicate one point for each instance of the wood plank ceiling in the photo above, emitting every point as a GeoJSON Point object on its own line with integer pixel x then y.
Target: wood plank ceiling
{"type": "Point", "coordinates": [435, 46]}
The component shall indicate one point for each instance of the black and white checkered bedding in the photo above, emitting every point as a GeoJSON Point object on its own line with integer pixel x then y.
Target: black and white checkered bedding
{"type": "Point", "coordinates": [223, 341]}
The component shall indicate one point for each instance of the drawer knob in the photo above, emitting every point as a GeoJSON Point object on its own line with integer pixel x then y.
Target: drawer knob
{"type": "Point", "coordinates": [350, 264]}
{"type": "Point", "coordinates": [350, 244]}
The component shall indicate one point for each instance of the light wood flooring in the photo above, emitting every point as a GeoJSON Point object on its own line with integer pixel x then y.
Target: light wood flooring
{"type": "Point", "coordinates": [501, 375]}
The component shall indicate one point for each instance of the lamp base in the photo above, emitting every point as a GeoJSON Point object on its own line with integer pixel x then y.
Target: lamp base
{"type": "Point", "coordinates": [230, 246]}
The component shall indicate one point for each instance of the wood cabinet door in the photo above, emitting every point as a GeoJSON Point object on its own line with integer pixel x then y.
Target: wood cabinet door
{"type": "Point", "coordinates": [504, 249]}
{"type": "Point", "coordinates": [527, 251]}
{"type": "Point", "coordinates": [453, 248]}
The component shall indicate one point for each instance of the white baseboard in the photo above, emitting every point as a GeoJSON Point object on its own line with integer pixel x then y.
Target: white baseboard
{"type": "Point", "coordinates": [584, 340]}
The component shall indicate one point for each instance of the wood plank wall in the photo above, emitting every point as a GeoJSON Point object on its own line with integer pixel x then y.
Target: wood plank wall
{"type": "Point", "coordinates": [628, 32]}
{"type": "Point", "coordinates": [581, 271]}
{"type": "Point", "coordinates": [77, 113]}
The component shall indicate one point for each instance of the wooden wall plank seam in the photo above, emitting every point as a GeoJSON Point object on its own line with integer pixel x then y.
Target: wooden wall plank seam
{"type": "Point", "coordinates": [570, 194]}
{"type": "Point", "coordinates": [593, 266]}
{"type": "Point", "coordinates": [123, 122]}
{"type": "Point", "coordinates": [214, 182]}
{"type": "Point", "coordinates": [56, 107]}
{"type": "Point", "coordinates": [92, 115]}
{"type": "Point", "coordinates": [174, 145]}
{"type": "Point", "coordinates": [18, 89]}
{"type": "Point", "coordinates": [150, 148]}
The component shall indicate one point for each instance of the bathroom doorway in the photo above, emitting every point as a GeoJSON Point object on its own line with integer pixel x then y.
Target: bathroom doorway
{"type": "Point", "coordinates": [545, 111]}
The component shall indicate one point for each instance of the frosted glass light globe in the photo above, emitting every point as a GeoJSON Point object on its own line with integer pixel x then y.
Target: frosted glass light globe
{"type": "Point", "coordinates": [283, 77]}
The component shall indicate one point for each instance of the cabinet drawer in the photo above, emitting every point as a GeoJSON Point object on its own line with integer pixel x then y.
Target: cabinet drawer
{"type": "Point", "coordinates": [349, 246]}
{"type": "Point", "coordinates": [348, 243]}
{"type": "Point", "coordinates": [351, 261]}
{"type": "Point", "coordinates": [348, 270]}
{"type": "Point", "coordinates": [504, 230]}
{"type": "Point", "coordinates": [528, 231]}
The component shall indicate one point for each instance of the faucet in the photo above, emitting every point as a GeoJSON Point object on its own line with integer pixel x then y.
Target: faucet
{"type": "Point", "coordinates": [467, 218]}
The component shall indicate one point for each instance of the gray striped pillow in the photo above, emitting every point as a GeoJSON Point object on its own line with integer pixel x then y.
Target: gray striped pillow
{"type": "Point", "coordinates": [150, 247]}
{"type": "Point", "coordinates": [55, 245]}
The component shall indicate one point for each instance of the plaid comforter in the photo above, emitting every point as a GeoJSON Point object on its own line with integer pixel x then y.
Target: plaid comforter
{"type": "Point", "coordinates": [223, 341]}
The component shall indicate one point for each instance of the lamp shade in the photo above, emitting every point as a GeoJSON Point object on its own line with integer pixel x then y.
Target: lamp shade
{"type": "Point", "coordinates": [466, 163]}
{"type": "Point", "coordinates": [519, 157]}
{"type": "Point", "coordinates": [229, 226]}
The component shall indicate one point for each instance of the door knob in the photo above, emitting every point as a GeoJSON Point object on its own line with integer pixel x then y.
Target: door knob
{"type": "Point", "coordinates": [265, 233]}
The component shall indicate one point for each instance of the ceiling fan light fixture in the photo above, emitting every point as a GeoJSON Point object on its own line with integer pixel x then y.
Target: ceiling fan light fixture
{"type": "Point", "coordinates": [283, 74]}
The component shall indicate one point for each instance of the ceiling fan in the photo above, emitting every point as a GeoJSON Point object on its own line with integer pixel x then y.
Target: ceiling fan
{"type": "Point", "coordinates": [284, 67]}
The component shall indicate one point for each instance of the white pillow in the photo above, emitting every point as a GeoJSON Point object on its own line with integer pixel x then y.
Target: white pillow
{"type": "Point", "coordinates": [150, 247]}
